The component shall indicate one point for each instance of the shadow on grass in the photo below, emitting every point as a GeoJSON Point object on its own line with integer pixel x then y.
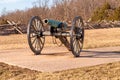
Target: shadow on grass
{"type": "Point", "coordinates": [87, 54]}
{"type": "Point", "coordinates": [56, 54]}
{"type": "Point", "coordinates": [100, 54]}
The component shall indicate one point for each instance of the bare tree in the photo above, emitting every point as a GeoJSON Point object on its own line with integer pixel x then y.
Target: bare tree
{"type": "Point", "coordinates": [61, 9]}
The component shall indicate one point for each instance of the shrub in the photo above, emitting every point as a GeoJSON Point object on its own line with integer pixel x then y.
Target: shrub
{"type": "Point", "coordinates": [116, 14]}
{"type": "Point", "coordinates": [101, 13]}
{"type": "Point", "coordinates": [3, 21]}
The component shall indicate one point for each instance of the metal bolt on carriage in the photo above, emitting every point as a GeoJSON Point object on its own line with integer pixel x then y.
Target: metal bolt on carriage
{"type": "Point", "coordinates": [36, 33]}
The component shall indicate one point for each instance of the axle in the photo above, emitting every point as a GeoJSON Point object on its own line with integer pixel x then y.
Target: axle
{"type": "Point", "coordinates": [64, 34]}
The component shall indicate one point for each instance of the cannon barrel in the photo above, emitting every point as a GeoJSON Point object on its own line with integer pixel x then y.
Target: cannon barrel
{"type": "Point", "coordinates": [55, 23]}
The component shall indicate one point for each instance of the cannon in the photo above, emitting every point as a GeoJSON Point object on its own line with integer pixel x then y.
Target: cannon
{"type": "Point", "coordinates": [37, 31]}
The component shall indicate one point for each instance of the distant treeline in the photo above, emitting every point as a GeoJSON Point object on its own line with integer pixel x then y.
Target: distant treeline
{"type": "Point", "coordinates": [66, 10]}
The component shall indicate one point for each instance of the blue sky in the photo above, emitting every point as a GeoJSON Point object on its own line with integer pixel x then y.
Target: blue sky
{"type": "Point", "coordinates": [11, 5]}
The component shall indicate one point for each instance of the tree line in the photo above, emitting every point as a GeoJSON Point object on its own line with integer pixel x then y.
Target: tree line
{"type": "Point", "coordinates": [64, 10]}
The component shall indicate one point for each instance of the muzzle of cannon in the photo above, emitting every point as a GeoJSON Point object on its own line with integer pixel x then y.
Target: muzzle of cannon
{"type": "Point", "coordinates": [36, 34]}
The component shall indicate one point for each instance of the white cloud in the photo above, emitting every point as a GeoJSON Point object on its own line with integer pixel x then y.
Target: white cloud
{"type": "Point", "coordinates": [8, 1]}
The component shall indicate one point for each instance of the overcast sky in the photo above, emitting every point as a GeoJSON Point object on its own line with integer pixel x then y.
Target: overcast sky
{"type": "Point", "coordinates": [11, 5]}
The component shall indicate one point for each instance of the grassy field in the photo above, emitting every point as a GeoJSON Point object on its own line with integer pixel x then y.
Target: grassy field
{"type": "Point", "coordinates": [93, 39]}
{"type": "Point", "coordinates": [102, 38]}
{"type": "Point", "coordinates": [110, 71]}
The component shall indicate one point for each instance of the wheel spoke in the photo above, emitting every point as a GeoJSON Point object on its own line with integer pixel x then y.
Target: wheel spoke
{"type": "Point", "coordinates": [34, 26]}
{"type": "Point", "coordinates": [74, 41]}
{"type": "Point", "coordinates": [75, 44]}
{"type": "Point", "coordinates": [39, 26]}
{"type": "Point", "coordinates": [39, 44]}
{"type": "Point", "coordinates": [36, 23]}
{"type": "Point", "coordinates": [34, 41]}
{"type": "Point", "coordinates": [79, 44]}
{"type": "Point", "coordinates": [79, 48]}
{"type": "Point", "coordinates": [41, 41]}
{"type": "Point", "coordinates": [36, 44]}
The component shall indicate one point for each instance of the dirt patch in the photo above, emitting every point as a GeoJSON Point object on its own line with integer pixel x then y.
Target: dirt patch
{"type": "Point", "coordinates": [110, 71]}
{"type": "Point", "coordinates": [55, 58]}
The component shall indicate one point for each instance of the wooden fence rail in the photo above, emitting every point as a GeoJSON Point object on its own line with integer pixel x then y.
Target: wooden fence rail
{"type": "Point", "coordinates": [13, 26]}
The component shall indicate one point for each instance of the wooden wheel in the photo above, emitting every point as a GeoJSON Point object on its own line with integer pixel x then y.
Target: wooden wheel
{"type": "Point", "coordinates": [77, 36]}
{"type": "Point", "coordinates": [34, 34]}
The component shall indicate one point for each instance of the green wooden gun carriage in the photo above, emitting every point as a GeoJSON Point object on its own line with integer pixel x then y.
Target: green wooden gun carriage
{"type": "Point", "coordinates": [36, 33]}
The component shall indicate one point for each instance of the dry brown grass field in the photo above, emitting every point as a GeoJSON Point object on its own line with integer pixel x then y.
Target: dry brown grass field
{"type": "Point", "coordinates": [93, 39]}
{"type": "Point", "coordinates": [102, 38]}
{"type": "Point", "coordinates": [110, 71]}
